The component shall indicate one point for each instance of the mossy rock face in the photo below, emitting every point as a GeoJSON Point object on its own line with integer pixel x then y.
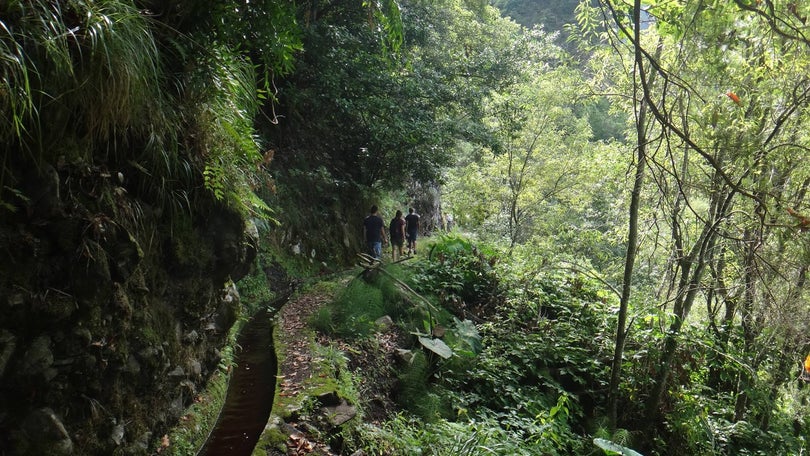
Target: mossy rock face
{"type": "Point", "coordinates": [186, 254]}
{"type": "Point", "coordinates": [97, 313]}
{"type": "Point", "coordinates": [274, 438]}
{"type": "Point", "coordinates": [52, 438]}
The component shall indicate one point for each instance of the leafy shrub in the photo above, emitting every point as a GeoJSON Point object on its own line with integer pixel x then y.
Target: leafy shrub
{"type": "Point", "coordinates": [408, 436]}
{"type": "Point", "coordinates": [414, 392]}
{"type": "Point", "coordinates": [356, 308]}
{"type": "Point", "coordinates": [541, 376]}
{"type": "Point", "coordinates": [462, 275]}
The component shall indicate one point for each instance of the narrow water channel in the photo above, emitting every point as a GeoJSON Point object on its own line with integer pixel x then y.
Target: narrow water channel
{"type": "Point", "coordinates": [250, 392]}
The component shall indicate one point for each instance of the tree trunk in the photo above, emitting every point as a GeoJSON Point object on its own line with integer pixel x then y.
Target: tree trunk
{"type": "Point", "coordinates": [629, 262]}
{"type": "Point", "coordinates": [751, 239]}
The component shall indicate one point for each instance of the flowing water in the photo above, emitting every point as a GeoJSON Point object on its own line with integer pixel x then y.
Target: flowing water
{"type": "Point", "coordinates": [250, 392]}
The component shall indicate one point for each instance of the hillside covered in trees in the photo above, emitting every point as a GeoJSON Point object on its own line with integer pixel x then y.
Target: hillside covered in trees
{"type": "Point", "coordinates": [613, 248]}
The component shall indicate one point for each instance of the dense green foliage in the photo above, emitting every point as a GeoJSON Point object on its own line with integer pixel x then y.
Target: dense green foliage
{"type": "Point", "coordinates": [377, 118]}
{"type": "Point", "coordinates": [553, 15]}
{"type": "Point", "coordinates": [721, 194]}
{"type": "Point", "coordinates": [528, 383]}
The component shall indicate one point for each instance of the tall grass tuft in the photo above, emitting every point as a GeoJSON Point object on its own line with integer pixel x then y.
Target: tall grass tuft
{"type": "Point", "coordinates": [119, 71]}
{"type": "Point", "coordinates": [16, 104]}
{"type": "Point", "coordinates": [356, 309]}
{"type": "Point", "coordinates": [81, 82]}
{"type": "Point", "coordinates": [88, 68]}
{"type": "Point", "coordinates": [86, 81]}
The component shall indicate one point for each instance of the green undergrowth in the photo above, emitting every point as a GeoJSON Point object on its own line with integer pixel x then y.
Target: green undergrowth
{"type": "Point", "coordinates": [499, 363]}
{"type": "Point", "coordinates": [493, 362]}
{"type": "Point", "coordinates": [356, 308]}
{"type": "Point", "coordinates": [254, 290]}
{"type": "Point", "coordinates": [192, 431]}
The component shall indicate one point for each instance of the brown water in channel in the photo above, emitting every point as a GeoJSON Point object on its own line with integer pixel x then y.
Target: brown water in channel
{"type": "Point", "coordinates": [250, 392]}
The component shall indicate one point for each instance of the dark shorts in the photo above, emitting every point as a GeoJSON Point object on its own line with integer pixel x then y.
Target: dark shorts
{"type": "Point", "coordinates": [412, 235]}
{"type": "Point", "coordinates": [397, 242]}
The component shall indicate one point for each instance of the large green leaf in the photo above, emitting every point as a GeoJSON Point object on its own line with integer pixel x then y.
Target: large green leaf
{"type": "Point", "coordinates": [611, 447]}
{"type": "Point", "coordinates": [436, 346]}
{"type": "Point", "coordinates": [467, 332]}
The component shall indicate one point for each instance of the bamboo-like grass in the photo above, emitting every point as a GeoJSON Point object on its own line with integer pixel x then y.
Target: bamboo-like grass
{"type": "Point", "coordinates": [86, 81]}
{"type": "Point", "coordinates": [75, 79]}
{"type": "Point", "coordinates": [97, 62]}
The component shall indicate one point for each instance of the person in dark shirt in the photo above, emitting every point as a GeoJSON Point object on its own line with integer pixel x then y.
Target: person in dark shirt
{"type": "Point", "coordinates": [374, 232]}
{"type": "Point", "coordinates": [412, 230]}
{"type": "Point", "coordinates": [397, 232]}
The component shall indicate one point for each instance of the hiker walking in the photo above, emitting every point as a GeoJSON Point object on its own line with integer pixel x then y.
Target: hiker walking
{"type": "Point", "coordinates": [396, 230]}
{"type": "Point", "coordinates": [412, 230]}
{"type": "Point", "coordinates": [374, 232]}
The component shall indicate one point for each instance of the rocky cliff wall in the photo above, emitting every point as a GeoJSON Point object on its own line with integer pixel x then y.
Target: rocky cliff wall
{"type": "Point", "coordinates": [112, 311]}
